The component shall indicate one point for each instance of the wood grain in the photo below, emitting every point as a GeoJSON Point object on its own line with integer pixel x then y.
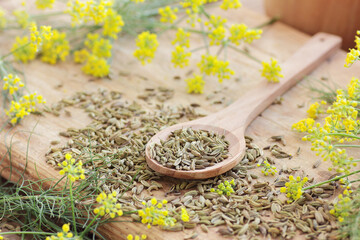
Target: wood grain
{"type": "Point", "coordinates": [312, 16]}
{"type": "Point", "coordinates": [130, 77]}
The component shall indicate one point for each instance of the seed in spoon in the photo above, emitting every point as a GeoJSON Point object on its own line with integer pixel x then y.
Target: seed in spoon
{"type": "Point", "coordinates": [189, 149]}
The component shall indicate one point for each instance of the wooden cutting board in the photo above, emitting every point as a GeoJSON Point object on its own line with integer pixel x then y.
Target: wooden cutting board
{"type": "Point", "coordinates": [130, 77]}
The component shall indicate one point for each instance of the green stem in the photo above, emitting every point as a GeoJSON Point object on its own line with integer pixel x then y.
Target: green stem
{"type": "Point", "coordinates": [267, 23]}
{"type": "Point", "coordinates": [347, 145]}
{"type": "Point", "coordinates": [245, 53]}
{"type": "Point", "coordinates": [343, 135]}
{"type": "Point", "coordinates": [16, 49]}
{"type": "Point", "coordinates": [204, 38]}
{"type": "Point", "coordinates": [197, 49]}
{"type": "Point", "coordinates": [89, 225]}
{"type": "Point", "coordinates": [72, 207]}
{"type": "Point", "coordinates": [33, 233]}
{"type": "Point", "coordinates": [48, 14]}
{"type": "Point", "coordinates": [331, 180]}
{"type": "Point", "coordinates": [172, 26]}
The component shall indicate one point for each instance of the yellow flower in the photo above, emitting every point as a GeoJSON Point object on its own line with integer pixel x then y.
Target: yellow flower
{"type": "Point", "coordinates": [3, 20]}
{"type": "Point", "coordinates": [293, 188]}
{"type": "Point", "coordinates": [81, 56]}
{"type": "Point", "coordinates": [343, 206]}
{"type": "Point", "coordinates": [225, 188]}
{"type": "Point", "coordinates": [71, 168]}
{"type": "Point", "coordinates": [228, 4]}
{"type": "Point", "coordinates": [352, 57]}
{"type": "Point", "coordinates": [217, 35]}
{"type": "Point", "coordinates": [108, 205]}
{"type": "Point", "coordinates": [22, 18]}
{"type": "Point", "coordinates": [42, 4]}
{"type": "Point", "coordinates": [222, 70]}
{"type": "Point", "coordinates": [37, 37]}
{"type": "Point", "coordinates": [22, 50]}
{"type": "Point", "coordinates": [113, 24]}
{"type": "Point", "coordinates": [64, 235]}
{"type": "Point", "coordinates": [182, 38]}
{"type": "Point", "coordinates": [252, 34]}
{"type": "Point", "coordinates": [12, 83]}
{"type": "Point", "coordinates": [267, 168]}
{"type": "Point", "coordinates": [313, 110]}
{"type": "Point", "coordinates": [354, 53]}
{"type": "Point", "coordinates": [23, 107]}
{"type": "Point", "coordinates": [354, 89]}
{"type": "Point", "coordinates": [155, 214]}
{"type": "Point", "coordinates": [147, 45]}
{"type": "Point", "coordinates": [240, 32]}
{"type": "Point", "coordinates": [208, 64]}
{"type": "Point", "coordinates": [97, 67]}
{"type": "Point", "coordinates": [57, 48]}
{"type": "Point", "coordinates": [271, 71]}
{"type": "Point", "coordinates": [91, 39]}
{"type": "Point", "coordinates": [136, 237]}
{"type": "Point", "coordinates": [76, 9]}
{"type": "Point", "coordinates": [180, 58]}
{"type": "Point", "coordinates": [304, 125]}
{"type": "Point", "coordinates": [195, 84]}
{"type": "Point", "coordinates": [193, 5]}
{"type": "Point", "coordinates": [215, 22]}
{"type": "Point", "coordinates": [184, 215]}
{"type": "Point", "coordinates": [102, 48]}
{"type": "Point", "coordinates": [167, 14]}
{"type": "Point", "coordinates": [97, 10]}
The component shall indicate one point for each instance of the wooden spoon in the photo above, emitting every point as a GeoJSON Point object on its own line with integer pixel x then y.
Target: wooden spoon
{"type": "Point", "coordinates": [233, 120]}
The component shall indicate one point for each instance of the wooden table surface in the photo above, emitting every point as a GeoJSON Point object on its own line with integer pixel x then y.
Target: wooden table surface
{"type": "Point", "coordinates": [278, 41]}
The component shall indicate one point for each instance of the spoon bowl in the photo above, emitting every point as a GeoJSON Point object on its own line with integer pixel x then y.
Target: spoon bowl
{"type": "Point", "coordinates": [236, 151]}
{"type": "Point", "coordinates": [233, 120]}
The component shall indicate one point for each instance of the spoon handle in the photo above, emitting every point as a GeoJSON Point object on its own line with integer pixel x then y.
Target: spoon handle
{"type": "Point", "coordinates": [239, 115]}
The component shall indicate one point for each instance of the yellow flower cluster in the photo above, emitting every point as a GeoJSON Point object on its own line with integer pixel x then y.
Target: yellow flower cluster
{"type": "Point", "coordinates": [225, 188]}
{"type": "Point", "coordinates": [314, 109]}
{"type": "Point", "coordinates": [57, 48]}
{"type": "Point", "coordinates": [293, 188]}
{"type": "Point", "coordinates": [3, 19]}
{"type": "Point", "coordinates": [155, 213]}
{"type": "Point", "coordinates": [100, 12]}
{"type": "Point", "coordinates": [12, 84]}
{"type": "Point", "coordinates": [22, 18]}
{"type": "Point", "coordinates": [108, 205]}
{"type": "Point", "coordinates": [23, 50]}
{"type": "Point", "coordinates": [240, 32]}
{"type": "Point", "coordinates": [147, 45]}
{"type": "Point", "coordinates": [95, 60]}
{"type": "Point", "coordinates": [267, 168]}
{"type": "Point", "coordinates": [271, 71]}
{"type": "Point", "coordinates": [64, 235]}
{"type": "Point", "coordinates": [38, 36]}
{"type": "Point", "coordinates": [354, 53]}
{"type": "Point", "coordinates": [343, 206]}
{"type": "Point", "coordinates": [42, 4]}
{"type": "Point", "coordinates": [304, 125]}
{"type": "Point", "coordinates": [230, 4]}
{"type": "Point", "coordinates": [113, 24]}
{"type": "Point", "coordinates": [182, 38]}
{"type": "Point", "coordinates": [180, 58]}
{"type": "Point", "coordinates": [136, 237]}
{"type": "Point", "coordinates": [184, 215]}
{"type": "Point", "coordinates": [210, 65]}
{"type": "Point", "coordinates": [23, 107]}
{"type": "Point", "coordinates": [354, 89]}
{"type": "Point", "coordinates": [71, 168]}
{"type": "Point", "coordinates": [195, 84]}
{"type": "Point", "coordinates": [167, 14]}
{"type": "Point", "coordinates": [216, 26]}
